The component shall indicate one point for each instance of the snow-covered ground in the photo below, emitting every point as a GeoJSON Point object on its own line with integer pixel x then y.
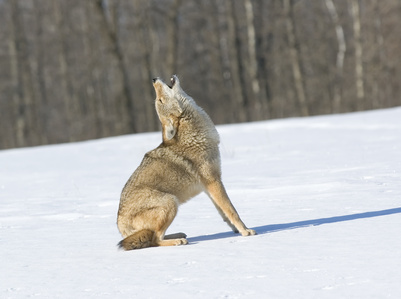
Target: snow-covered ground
{"type": "Point", "coordinates": [323, 193]}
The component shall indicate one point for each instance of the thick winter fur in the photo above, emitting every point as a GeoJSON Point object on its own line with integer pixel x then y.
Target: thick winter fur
{"type": "Point", "coordinates": [186, 163]}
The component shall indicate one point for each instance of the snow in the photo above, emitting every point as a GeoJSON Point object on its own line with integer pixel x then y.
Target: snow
{"type": "Point", "coordinates": [323, 193]}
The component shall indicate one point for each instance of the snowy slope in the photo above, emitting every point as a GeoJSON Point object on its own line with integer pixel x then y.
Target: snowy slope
{"type": "Point", "coordinates": [323, 193]}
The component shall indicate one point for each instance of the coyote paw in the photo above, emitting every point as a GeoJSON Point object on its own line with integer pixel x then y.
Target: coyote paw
{"type": "Point", "coordinates": [248, 232]}
{"type": "Point", "coordinates": [172, 242]}
{"type": "Point", "coordinates": [182, 241]}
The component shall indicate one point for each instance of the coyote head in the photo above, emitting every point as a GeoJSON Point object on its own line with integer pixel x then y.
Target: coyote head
{"type": "Point", "coordinates": [169, 105]}
{"type": "Point", "coordinates": [178, 112]}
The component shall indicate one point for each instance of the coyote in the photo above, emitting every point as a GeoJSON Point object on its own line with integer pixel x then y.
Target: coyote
{"type": "Point", "coordinates": [186, 163]}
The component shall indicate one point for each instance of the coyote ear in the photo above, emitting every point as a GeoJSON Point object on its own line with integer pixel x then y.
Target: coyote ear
{"type": "Point", "coordinates": [169, 129]}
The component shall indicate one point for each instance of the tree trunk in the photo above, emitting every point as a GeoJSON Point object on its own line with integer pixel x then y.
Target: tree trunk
{"type": "Point", "coordinates": [26, 124]}
{"type": "Point", "coordinates": [340, 56]}
{"type": "Point", "coordinates": [40, 75]}
{"type": "Point", "coordinates": [113, 43]}
{"type": "Point", "coordinates": [145, 39]}
{"type": "Point", "coordinates": [14, 71]}
{"type": "Point", "coordinates": [240, 99]}
{"type": "Point", "coordinates": [172, 37]}
{"type": "Point", "coordinates": [252, 66]}
{"type": "Point", "coordinates": [294, 57]}
{"type": "Point", "coordinates": [359, 82]}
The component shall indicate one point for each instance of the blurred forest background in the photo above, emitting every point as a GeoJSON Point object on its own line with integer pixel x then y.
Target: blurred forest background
{"type": "Point", "coordinates": [75, 70]}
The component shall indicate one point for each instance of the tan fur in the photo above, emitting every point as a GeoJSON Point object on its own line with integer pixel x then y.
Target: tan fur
{"type": "Point", "coordinates": [186, 163]}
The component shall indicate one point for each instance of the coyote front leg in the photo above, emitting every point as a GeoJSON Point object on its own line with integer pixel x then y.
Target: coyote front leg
{"type": "Point", "coordinates": [218, 194]}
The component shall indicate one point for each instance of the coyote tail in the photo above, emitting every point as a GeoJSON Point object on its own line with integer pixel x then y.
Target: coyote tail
{"type": "Point", "coordinates": [139, 239]}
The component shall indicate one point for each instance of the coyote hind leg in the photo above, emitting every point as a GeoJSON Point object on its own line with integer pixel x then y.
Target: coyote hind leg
{"type": "Point", "coordinates": [148, 226]}
{"type": "Point", "coordinates": [161, 218]}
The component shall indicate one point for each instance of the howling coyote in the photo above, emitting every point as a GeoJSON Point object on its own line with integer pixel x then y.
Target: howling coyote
{"type": "Point", "coordinates": [186, 163]}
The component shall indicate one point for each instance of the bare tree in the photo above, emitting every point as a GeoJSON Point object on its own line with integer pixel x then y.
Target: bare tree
{"type": "Point", "coordinates": [148, 45]}
{"type": "Point", "coordinates": [295, 57]}
{"type": "Point", "coordinates": [241, 102]}
{"type": "Point", "coordinates": [340, 54]}
{"type": "Point", "coordinates": [172, 36]}
{"type": "Point", "coordinates": [22, 78]}
{"type": "Point", "coordinates": [252, 65]}
{"type": "Point", "coordinates": [359, 82]}
{"type": "Point", "coordinates": [14, 71]}
{"type": "Point", "coordinates": [110, 32]}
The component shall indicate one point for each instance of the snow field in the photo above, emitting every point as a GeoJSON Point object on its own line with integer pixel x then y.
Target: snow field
{"type": "Point", "coordinates": [323, 193]}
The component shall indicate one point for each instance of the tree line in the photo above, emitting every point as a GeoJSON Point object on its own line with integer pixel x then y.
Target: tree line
{"type": "Point", "coordinates": [75, 70]}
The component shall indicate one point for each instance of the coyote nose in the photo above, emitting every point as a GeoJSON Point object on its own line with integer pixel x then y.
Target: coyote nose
{"type": "Point", "coordinates": [155, 79]}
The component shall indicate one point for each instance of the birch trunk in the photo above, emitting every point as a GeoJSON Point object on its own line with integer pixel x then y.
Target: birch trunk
{"type": "Point", "coordinates": [359, 82]}
{"type": "Point", "coordinates": [340, 55]}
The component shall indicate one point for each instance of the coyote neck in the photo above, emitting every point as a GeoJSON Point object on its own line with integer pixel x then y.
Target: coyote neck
{"type": "Point", "coordinates": [196, 131]}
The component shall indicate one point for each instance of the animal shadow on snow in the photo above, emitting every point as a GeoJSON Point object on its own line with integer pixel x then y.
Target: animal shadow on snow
{"type": "Point", "coordinates": [265, 229]}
